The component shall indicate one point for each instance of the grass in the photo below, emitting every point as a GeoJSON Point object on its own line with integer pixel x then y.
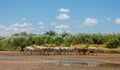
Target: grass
{"type": "Point", "coordinates": [110, 65]}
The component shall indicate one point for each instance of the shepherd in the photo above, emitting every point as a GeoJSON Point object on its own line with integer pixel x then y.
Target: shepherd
{"type": "Point", "coordinates": [22, 49]}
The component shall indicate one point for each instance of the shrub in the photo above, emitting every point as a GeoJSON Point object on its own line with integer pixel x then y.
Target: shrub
{"type": "Point", "coordinates": [112, 43]}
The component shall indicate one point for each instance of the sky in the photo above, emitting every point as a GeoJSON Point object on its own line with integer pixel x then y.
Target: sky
{"type": "Point", "coordinates": [72, 16]}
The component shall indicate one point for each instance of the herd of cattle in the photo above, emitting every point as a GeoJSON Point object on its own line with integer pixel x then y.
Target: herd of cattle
{"type": "Point", "coordinates": [60, 50]}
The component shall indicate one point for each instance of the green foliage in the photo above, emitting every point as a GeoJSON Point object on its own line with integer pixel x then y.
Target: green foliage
{"type": "Point", "coordinates": [67, 44]}
{"type": "Point", "coordinates": [18, 40]}
{"type": "Point", "coordinates": [65, 34]}
{"type": "Point", "coordinates": [97, 38]}
{"type": "Point", "coordinates": [51, 38]}
{"type": "Point", "coordinates": [58, 40]}
{"type": "Point", "coordinates": [2, 38]}
{"type": "Point", "coordinates": [113, 43]}
{"type": "Point", "coordinates": [50, 32]}
{"type": "Point", "coordinates": [68, 40]}
{"type": "Point", "coordinates": [39, 40]}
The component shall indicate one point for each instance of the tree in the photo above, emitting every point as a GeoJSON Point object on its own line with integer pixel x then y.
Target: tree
{"type": "Point", "coordinates": [97, 38]}
{"type": "Point", "coordinates": [51, 33]}
{"type": "Point", "coordinates": [58, 40]}
{"type": "Point", "coordinates": [39, 40]}
{"type": "Point", "coordinates": [68, 40]}
{"type": "Point", "coordinates": [18, 41]}
{"type": "Point", "coordinates": [65, 34]}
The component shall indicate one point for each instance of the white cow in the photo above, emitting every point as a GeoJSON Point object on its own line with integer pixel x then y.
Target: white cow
{"type": "Point", "coordinates": [67, 50]}
{"type": "Point", "coordinates": [29, 49]}
{"type": "Point", "coordinates": [92, 50]}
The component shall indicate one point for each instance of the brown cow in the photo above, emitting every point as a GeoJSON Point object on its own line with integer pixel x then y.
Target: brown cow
{"type": "Point", "coordinates": [80, 51]}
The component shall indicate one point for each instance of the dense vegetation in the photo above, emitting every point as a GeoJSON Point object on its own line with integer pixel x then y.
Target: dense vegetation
{"type": "Point", "coordinates": [51, 39]}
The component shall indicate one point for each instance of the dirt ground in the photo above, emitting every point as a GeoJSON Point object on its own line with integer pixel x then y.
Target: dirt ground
{"type": "Point", "coordinates": [13, 64]}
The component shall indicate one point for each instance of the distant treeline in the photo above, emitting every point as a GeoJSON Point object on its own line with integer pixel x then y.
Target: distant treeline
{"type": "Point", "coordinates": [65, 39]}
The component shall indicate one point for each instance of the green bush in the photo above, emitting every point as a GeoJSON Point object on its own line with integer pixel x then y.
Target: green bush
{"type": "Point", "coordinates": [113, 43]}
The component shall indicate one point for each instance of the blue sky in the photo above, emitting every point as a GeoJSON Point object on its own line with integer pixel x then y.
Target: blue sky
{"type": "Point", "coordinates": [73, 16]}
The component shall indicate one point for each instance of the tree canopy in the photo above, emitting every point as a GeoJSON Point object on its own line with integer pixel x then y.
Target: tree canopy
{"type": "Point", "coordinates": [64, 39]}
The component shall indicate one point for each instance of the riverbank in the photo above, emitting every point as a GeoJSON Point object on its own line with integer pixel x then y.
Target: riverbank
{"type": "Point", "coordinates": [13, 63]}
{"type": "Point", "coordinates": [109, 58]}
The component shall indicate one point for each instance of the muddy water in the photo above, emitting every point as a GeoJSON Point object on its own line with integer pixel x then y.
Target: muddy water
{"type": "Point", "coordinates": [65, 62]}
{"type": "Point", "coordinates": [53, 59]}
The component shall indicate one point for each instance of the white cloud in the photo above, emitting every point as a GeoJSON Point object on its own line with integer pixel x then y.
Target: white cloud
{"type": "Point", "coordinates": [2, 27]}
{"type": "Point", "coordinates": [90, 21]}
{"type": "Point", "coordinates": [15, 28]}
{"type": "Point", "coordinates": [41, 24]}
{"type": "Point", "coordinates": [69, 31]}
{"type": "Point", "coordinates": [10, 28]}
{"type": "Point", "coordinates": [53, 24]}
{"type": "Point", "coordinates": [22, 24]}
{"type": "Point", "coordinates": [109, 19]}
{"type": "Point", "coordinates": [117, 21]}
{"type": "Point", "coordinates": [10, 31]}
{"type": "Point", "coordinates": [64, 10]}
{"type": "Point", "coordinates": [59, 28]}
{"type": "Point", "coordinates": [23, 19]}
{"type": "Point", "coordinates": [62, 26]}
{"type": "Point", "coordinates": [63, 16]}
{"type": "Point", "coordinates": [61, 31]}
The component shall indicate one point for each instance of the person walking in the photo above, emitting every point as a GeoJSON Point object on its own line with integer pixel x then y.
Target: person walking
{"type": "Point", "coordinates": [22, 49]}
